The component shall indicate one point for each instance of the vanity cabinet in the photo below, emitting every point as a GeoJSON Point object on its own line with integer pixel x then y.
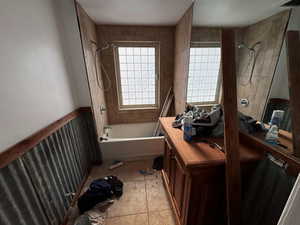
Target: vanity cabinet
{"type": "Point", "coordinates": [194, 177]}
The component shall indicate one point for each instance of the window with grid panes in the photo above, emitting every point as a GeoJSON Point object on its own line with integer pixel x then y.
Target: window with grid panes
{"type": "Point", "coordinates": [137, 76]}
{"type": "Point", "coordinates": [204, 76]}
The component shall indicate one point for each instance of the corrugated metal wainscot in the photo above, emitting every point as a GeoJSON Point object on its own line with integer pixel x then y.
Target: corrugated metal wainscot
{"type": "Point", "coordinates": [35, 188]}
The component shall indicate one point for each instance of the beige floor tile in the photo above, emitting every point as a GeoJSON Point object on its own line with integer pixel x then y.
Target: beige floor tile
{"type": "Point", "coordinates": [139, 219]}
{"type": "Point", "coordinates": [164, 217]}
{"type": "Point", "coordinates": [133, 200]}
{"type": "Point", "coordinates": [157, 198]}
{"type": "Point", "coordinates": [156, 175]}
{"type": "Point", "coordinates": [101, 171]}
{"type": "Point", "coordinates": [130, 171]}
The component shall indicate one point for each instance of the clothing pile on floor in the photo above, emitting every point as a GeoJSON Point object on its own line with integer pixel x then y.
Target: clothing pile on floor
{"type": "Point", "coordinates": [99, 195]}
{"type": "Point", "coordinates": [211, 123]}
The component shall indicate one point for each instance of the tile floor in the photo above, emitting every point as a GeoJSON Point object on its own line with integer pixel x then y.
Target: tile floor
{"type": "Point", "coordinates": [144, 200]}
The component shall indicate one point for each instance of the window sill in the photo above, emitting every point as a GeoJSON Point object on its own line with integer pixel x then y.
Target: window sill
{"type": "Point", "coordinates": [138, 108]}
{"type": "Point", "coordinates": [204, 105]}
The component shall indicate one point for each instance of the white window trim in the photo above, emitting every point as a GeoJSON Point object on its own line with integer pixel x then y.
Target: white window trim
{"type": "Point", "coordinates": [118, 75]}
{"type": "Point", "coordinates": [219, 82]}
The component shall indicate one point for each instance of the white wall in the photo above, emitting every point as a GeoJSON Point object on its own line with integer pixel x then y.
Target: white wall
{"type": "Point", "coordinates": [67, 23]}
{"type": "Point", "coordinates": [42, 76]}
{"type": "Point", "coordinates": [280, 83]}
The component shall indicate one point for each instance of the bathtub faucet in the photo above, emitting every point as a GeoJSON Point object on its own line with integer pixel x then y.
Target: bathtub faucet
{"type": "Point", "coordinates": [106, 130]}
{"type": "Point", "coordinates": [103, 139]}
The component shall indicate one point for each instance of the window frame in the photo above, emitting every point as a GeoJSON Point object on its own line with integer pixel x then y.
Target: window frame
{"type": "Point", "coordinates": [219, 80]}
{"type": "Point", "coordinates": [152, 44]}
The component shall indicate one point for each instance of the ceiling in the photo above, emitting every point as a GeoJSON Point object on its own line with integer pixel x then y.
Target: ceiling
{"type": "Point", "coordinates": [168, 12]}
{"type": "Point", "coordinates": [234, 12]}
{"type": "Point", "coordinates": [135, 12]}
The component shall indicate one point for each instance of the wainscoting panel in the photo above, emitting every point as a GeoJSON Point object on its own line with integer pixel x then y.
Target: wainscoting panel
{"type": "Point", "coordinates": [19, 203]}
{"type": "Point", "coordinates": [38, 187]}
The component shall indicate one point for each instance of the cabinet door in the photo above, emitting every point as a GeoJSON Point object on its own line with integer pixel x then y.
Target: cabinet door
{"type": "Point", "coordinates": [167, 159]}
{"type": "Point", "coordinates": [179, 184]}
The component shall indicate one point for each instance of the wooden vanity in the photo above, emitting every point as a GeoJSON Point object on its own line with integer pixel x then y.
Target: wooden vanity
{"type": "Point", "coordinates": [194, 176]}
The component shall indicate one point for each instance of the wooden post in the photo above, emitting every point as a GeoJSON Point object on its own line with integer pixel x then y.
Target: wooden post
{"type": "Point", "coordinates": [293, 58]}
{"type": "Point", "coordinates": [231, 135]}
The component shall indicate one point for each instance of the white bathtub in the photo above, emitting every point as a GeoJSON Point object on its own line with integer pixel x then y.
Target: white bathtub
{"type": "Point", "coordinates": [131, 141]}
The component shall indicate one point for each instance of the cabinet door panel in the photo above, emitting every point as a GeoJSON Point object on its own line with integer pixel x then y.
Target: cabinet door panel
{"type": "Point", "coordinates": [167, 159]}
{"type": "Point", "coordinates": [179, 184]}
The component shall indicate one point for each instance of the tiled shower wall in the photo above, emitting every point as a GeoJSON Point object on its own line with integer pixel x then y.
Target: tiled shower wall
{"type": "Point", "coordinates": [270, 32]}
{"type": "Point", "coordinates": [36, 188]}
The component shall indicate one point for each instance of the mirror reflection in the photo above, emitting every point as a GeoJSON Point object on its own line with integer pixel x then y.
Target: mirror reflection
{"type": "Point", "coordinates": [263, 91]}
{"type": "Point", "coordinates": [262, 77]}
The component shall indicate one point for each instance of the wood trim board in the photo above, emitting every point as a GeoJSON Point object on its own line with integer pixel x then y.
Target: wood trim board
{"type": "Point", "coordinates": [231, 129]}
{"type": "Point", "coordinates": [257, 143]}
{"type": "Point", "coordinates": [293, 64]}
{"type": "Point", "coordinates": [164, 111]}
{"type": "Point", "coordinates": [181, 60]}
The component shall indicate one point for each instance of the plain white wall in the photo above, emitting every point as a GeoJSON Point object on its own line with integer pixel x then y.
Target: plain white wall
{"type": "Point", "coordinates": [280, 84]}
{"type": "Point", "coordinates": [280, 88]}
{"type": "Point", "coordinates": [42, 76]}
{"type": "Point", "coordinates": [67, 23]}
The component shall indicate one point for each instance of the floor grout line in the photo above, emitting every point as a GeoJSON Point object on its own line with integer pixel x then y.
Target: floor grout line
{"type": "Point", "coordinates": [131, 214]}
{"type": "Point", "coordinates": [147, 202]}
{"type": "Point", "coordinates": [144, 178]}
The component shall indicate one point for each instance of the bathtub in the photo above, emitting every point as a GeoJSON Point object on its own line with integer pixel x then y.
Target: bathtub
{"type": "Point", "coordinates": [131, 141]}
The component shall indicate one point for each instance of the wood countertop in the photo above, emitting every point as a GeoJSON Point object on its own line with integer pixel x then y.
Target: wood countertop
{"type": "Point", "coordinates": [200, 154]}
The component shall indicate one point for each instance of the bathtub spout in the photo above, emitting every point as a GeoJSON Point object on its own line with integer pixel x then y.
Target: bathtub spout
{"type": "Point", "coordinates": [103, 139]}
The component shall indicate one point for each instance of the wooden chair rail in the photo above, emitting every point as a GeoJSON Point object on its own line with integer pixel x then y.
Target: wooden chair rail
{"type": "Point", "coordinates": [259, 144]}
{"type": "Point", "coordinates": [17, 150]}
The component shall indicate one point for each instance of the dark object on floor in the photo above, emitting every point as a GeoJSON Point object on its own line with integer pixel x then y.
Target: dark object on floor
{"type": "Point", "coordinates": [116, 186]}
{"type": "Point", "coordinates": [147, 172]}
{"type": "Point", "coordinates": [158, 163]}
{"type": "Point", "coordinates": [99, 191]}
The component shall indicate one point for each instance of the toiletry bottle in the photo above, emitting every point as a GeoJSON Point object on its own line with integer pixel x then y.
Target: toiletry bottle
{"type": "Point", "coordinates": [188, 128]}
{"type": "Point", "coordinates": [272, 135]}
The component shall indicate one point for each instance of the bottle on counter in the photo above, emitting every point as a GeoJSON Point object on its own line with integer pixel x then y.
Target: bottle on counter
{"type": "Point", "coordinates": [272, 135]}
{"type": "Point", "coordinates": [188, 128]}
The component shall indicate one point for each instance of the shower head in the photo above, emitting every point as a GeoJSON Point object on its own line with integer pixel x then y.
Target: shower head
{"type": "Point", "coordinates": [93, 42]}
{"type": "Point", "coordinates": [108, 45]}
{"type": "Point", "coordinates": [251, 49]}
{"type": "Point", "coordinates": [243, 45]}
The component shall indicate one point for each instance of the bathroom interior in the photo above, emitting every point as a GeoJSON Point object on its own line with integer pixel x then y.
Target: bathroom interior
{"type": "Point", "coordinates": [192, 105]}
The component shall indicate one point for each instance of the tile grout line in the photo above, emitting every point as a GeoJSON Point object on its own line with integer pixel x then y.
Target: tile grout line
{"type": "Point", "coordinates": [147, 201]}
{"type": "Point", "coordinates": [132, 214]}
{"type": "Point", "coordinates": [144, 179]}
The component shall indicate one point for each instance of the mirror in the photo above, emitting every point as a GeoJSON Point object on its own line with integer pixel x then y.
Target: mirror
{"type": "Point", "coordinates": [204, 80]}
{"type": "Point", "coordinates": [262, 79]}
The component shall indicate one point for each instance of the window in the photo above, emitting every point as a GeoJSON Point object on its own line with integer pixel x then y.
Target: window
{"type": "Point", "coordinates": [204, 78]}
{"type": "Point", "coordinates": [137, 75]}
